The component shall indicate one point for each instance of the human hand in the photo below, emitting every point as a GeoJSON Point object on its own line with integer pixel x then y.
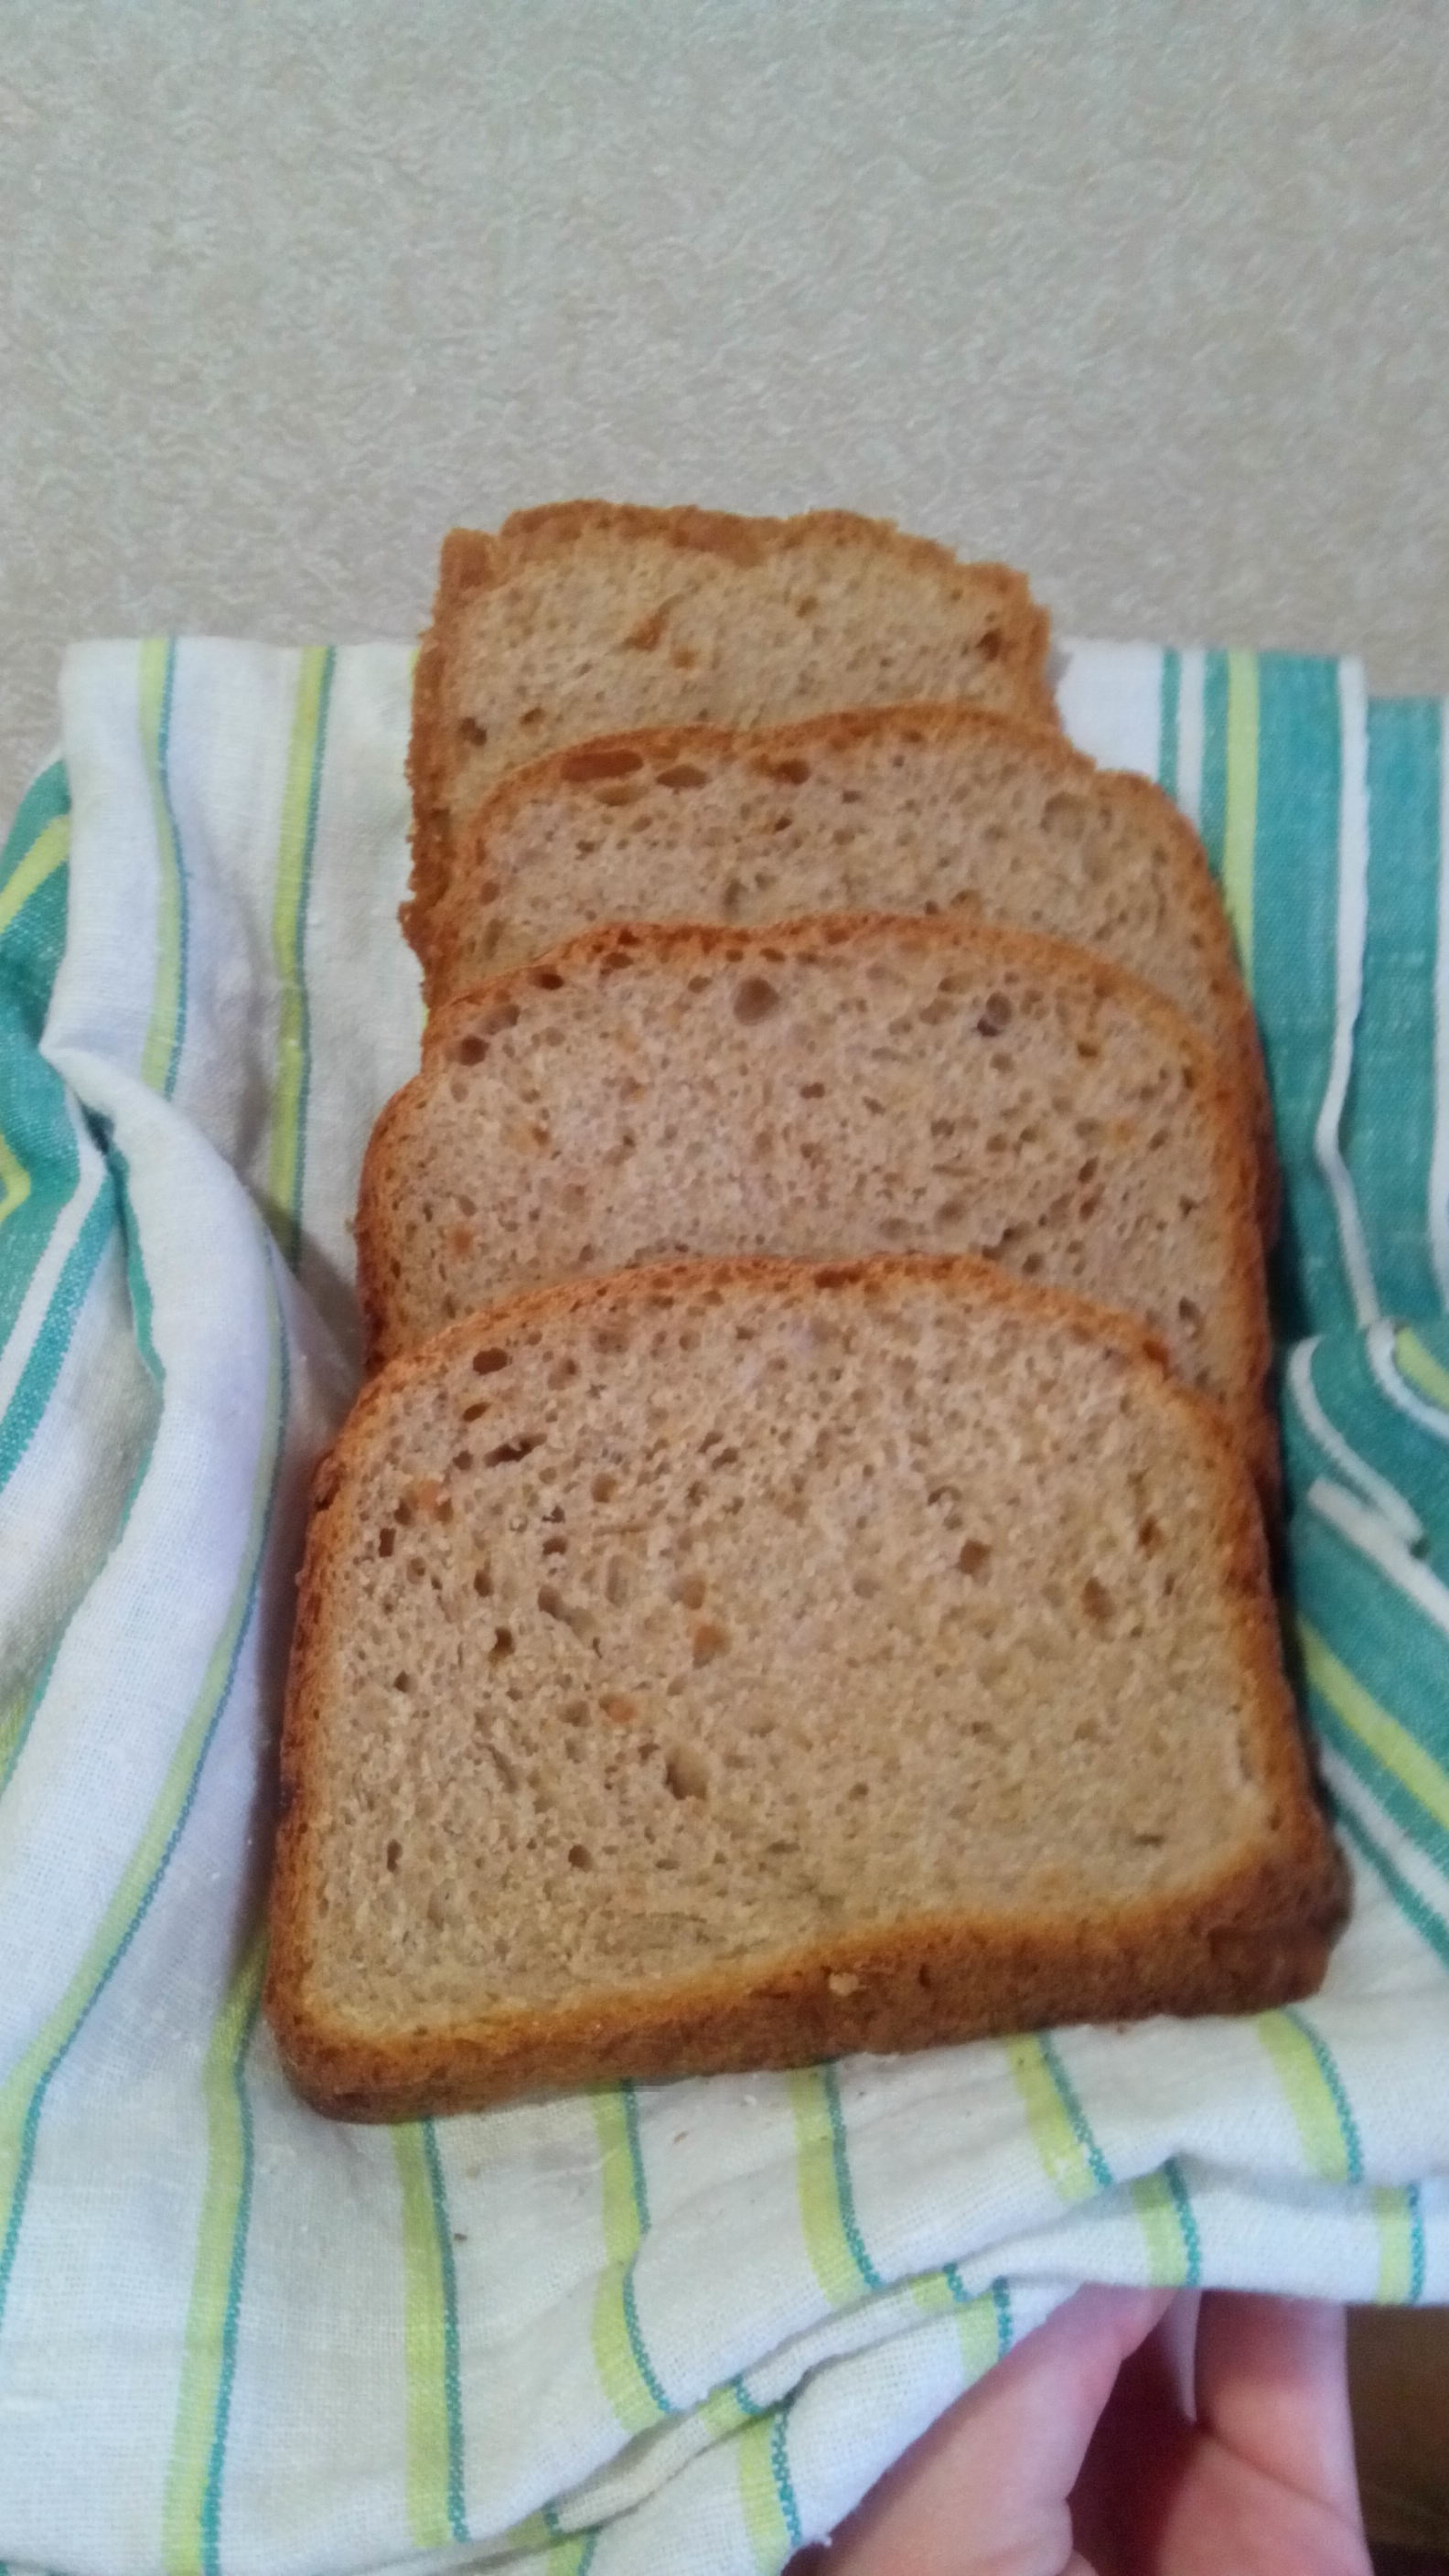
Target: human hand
{"type": "Point", "coordinates": [1135, 2433]}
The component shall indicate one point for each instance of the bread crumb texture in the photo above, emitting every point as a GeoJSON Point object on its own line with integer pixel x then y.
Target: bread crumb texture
{"type": "Point", "coordinates": [585, 617]}
{"type": "Point", "coordinates": [720, 1663]}
{"type": "Point", "coordinates": [825, 1088]}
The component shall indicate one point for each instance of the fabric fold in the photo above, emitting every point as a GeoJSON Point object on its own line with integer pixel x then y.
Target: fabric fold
{"type": "Point", "coordinates": [657, 2325]}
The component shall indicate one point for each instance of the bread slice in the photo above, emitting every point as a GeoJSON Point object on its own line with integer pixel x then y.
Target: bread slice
{"type": "Point", "coordinates": [586, 616]}
{"type": "Point", "coordinates": [891, 809]}
{"type": "Point", "coordinates": [822, 1088]}
{"type": "Point", "coordinates": [727, 1665]}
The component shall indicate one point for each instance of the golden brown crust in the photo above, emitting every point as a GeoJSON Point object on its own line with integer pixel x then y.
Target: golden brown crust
{"type": "Point", "coordinates": [475, 860]}
{"type": "Point", "coordinates": [1251, 1942]}
{"type": "Point", "coordinates": [1252, 1935]}
{"type": "Point", "coordinates": [682, 945]}
{"type": "Point", "coordinates": [476, 559]}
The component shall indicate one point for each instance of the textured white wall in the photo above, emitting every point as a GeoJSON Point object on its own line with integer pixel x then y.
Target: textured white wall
{"type": "Point", "coordinates": [1153, 300]}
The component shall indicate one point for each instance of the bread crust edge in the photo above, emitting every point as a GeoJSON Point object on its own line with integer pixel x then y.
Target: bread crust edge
{"type": "Point", "coordinates": [1251, 1936]}
{"type": "Point", "coordinates": [432, 934]}
{"type": "Point", "coordinates": [708, 941]}
{"type": "Point", "coordinates": [473, 559]}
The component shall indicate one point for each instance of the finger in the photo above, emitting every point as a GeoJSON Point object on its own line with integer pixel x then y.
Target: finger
{"type": "Point", "coordinates": [1139, 2453]}
{"type": "Point", "coordinates": [1272, 2385]}
{"type": "Point", "coordinates": [987, 2485]}
{"type": "Point", "coordinates": [1160, 2495]}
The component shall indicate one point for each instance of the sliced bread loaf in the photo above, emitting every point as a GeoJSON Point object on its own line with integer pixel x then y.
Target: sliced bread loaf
{"type": "Point", "coordinates": [733, 1664]}
{"type": "Point", "coordinates": [836, 1087]}
{"type": "Point", "coordinates": [583, 617]}
{"type": "Point", "coordinates": [894, 809]}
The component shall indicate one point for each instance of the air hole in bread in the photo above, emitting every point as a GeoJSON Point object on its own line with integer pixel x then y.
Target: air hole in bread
{"type": "Point", "coordinates": [487, 1363]}
{"type": "Point", "coordinates": [755, 999]}
{"type": "Point", "coordinates": [1064, 816]}
{"type": "Point", "coordinates": [508, 1452]}
{"type": "Point", "coordinates": [975, 1556]}
{"type": "Point", "coordinates": [1096, 1601]}
{"type": "Point", "coordinates": [592, 761]}
{"type": "Point", "coordinates": [685, 1775]}
{"type": "Point", "coordinates": [683, 774]}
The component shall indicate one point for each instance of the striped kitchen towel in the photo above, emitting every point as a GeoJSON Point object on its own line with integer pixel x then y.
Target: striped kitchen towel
{"type": "Point", "coordinates": [652, 2327]}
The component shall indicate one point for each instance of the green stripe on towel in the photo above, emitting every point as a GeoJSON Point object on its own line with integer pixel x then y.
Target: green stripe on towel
{"type": "Point", "coordinates": [286, 1161]}
{"type": "Point", "coordinates": [22, 2098]}
{"type": "Point", "coordinates": [621, 2357]}
{"type": "Point", "coordinates": [1061, 2133]}
{"type": "Point", "coordinates": [1240, 803]}
{"type": "Point", "coordinates": [1389, 1757]}
{"type": "Point", "coordinates": [430, 2343]}
{"type": "Point", "coordinates": [1427, 1375]}
{"type": "Point", "coordinates": [1389, 1141]}
{"type": "Point", "coordinates": [39, 1163]}
{"type": "Point", "coordinates": [833, 2241]}
{"type": "Point", "coordinates": [767, 2490]}
{"type": "Point", "coordinates": [37, 862]}
{"type": "Point", "coordinates": [161, 1054]}
{"type": "Point", "coordinates": [37, 1380]}
{"type": "Point", "coordinates": [1314, 2090]}
{"type": "Point", "coordinates": [191, 2538]}
{"type": "Point", "coordinates": [1169, 2227]}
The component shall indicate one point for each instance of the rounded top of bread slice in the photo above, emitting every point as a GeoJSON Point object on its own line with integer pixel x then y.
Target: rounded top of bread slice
{"type": "Point", "coordinates": [900, 809]}
{"type": "Point", "coordinates": [587, 616]}
{"type": "Point", "coordinates": [836, 1087]}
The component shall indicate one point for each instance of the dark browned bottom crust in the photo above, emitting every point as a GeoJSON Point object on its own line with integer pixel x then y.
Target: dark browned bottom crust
{"type": "Point", "coordinates": [925, 1985]}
